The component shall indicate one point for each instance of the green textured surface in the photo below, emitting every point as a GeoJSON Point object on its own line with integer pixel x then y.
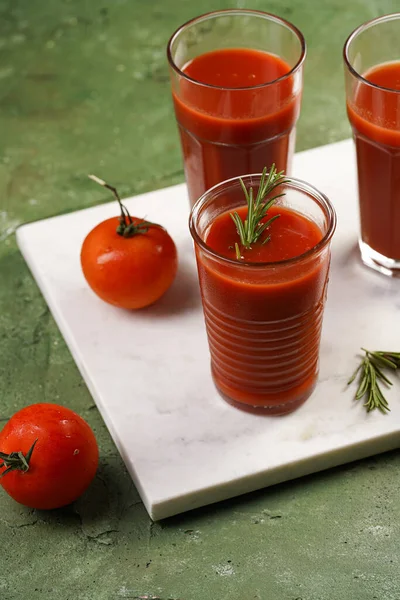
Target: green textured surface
{"type": "Point", "coordinates": [84, 87]}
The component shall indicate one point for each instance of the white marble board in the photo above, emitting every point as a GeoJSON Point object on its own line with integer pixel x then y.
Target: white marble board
{"type": "Point", "coordinates": [182, 444]}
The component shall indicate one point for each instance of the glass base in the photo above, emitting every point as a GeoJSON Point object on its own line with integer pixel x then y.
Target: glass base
{"type": "Point", "coordinates": [270, 409]}
{"type": "Point", "coordinates": [374, 260]}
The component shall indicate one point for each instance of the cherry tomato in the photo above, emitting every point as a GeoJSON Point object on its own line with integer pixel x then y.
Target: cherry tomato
{"type": "Point", "coordinates": [49, 456]}
{"type": "Point", "coordinates": [129, 270]}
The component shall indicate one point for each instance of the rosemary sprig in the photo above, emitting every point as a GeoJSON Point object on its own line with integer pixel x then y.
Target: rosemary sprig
{"type": "Point", "coordinates": [251, 229]}
{"type": "Point", "coordinates": [370, 372]}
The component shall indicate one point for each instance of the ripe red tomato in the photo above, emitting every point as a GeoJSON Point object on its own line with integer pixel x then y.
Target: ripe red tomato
{"type": "Point", "coordinates": [63, 461]}
{"type": "Point", "coordinates": [129, 271]}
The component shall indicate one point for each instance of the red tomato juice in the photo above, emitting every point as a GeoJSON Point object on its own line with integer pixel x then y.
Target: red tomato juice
{"type": "Point", "coordinates": [375, 118]}
{"type": "Point", "coordinates": [264, 324]}
{"type": "Point", "coordinates": [229, 129]}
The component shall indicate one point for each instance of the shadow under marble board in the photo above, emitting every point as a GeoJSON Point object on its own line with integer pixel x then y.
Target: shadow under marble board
{"type": "Point", "coordinates": [182, 444]}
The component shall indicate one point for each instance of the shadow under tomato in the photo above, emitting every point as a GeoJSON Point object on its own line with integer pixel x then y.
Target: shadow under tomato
{"type": "Point", "coordinates": [182, 296]}
{"type": "Point", "coordinates": [101, 506]}
{"type": "Point", "coordinates": [96, 514]}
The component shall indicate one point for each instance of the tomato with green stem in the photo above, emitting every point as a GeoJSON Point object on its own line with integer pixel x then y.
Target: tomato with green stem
{"type": "Point", "coordinates": [128, 262]}
{"type": "Point", "coordinates": [48, 455]}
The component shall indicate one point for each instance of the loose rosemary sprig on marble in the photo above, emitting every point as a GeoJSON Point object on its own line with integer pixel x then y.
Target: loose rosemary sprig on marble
{"type": "Point", "coordinates": [370, 372]}
{"type": "Point", "coordinates": [251, 229]}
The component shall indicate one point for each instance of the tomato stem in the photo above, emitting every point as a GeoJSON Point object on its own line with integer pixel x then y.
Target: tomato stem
{"type": "Point", "coordinates": [126, 228]}
{"type": "Point", "coordinates": [16, 461]}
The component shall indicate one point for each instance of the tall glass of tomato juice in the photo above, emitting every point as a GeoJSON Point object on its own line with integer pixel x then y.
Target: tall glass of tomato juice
{"type": "Point", "coordinates": [372, 72]}
{"type": "Point", "coordinates": [236, 79]}
{"type": "Point", "coordinates": [263, 319]}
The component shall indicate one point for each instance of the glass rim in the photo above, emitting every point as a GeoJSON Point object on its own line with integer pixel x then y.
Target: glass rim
{"type": "Point", "coordinates": [352, 37]}
{"type": "Point", "coordinates": [298, 184]}
{"type": "Point", "coordinates": [237, 11]}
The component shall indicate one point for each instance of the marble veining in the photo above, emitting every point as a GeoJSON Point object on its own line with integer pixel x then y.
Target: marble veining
{"type": "Point", "coordinates": [184, 446]}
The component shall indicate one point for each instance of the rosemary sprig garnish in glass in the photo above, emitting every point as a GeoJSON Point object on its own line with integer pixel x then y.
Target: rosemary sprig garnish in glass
{"type": "Point", "coordinates": [370, 372]}
{"type": "Point", "coordinates": [251, 229]}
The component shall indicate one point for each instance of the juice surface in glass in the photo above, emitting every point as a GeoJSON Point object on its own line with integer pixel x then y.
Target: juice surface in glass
{"type": "Point", "coordinates": [375, 119]}
{"type": "Point", "coordinates": [263, 313]}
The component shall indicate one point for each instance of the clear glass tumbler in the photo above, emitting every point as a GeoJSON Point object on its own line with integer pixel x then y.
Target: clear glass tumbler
{"type": "Point", "coordinates": [263, 320]}
{"type": "Point", "coordinates": [372, 72]}
{"type": "Point", "coordinates": [247, 121]}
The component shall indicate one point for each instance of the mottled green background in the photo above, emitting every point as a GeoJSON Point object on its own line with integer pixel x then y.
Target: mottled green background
{"type": "Point", "coordinates": [84, 87]}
